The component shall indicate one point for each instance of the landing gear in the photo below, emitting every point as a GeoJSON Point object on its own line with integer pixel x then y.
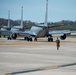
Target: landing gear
{"type": "Point", "coordinates": [28, 38]}
{"type": "Point", "coordinates": [25, 38]}
{"type": "Point", "coordinates": [8, 38]}
{"type": "Point", "coordinates": [0, 36]}
{"type": "Point", "coordinates": [50, 39]}
{"type": "Point", "coordinates": [14, 36]}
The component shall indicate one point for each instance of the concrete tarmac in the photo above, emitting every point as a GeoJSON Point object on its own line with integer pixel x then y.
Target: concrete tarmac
{"type": "Point", "coordinates": [18, 57]}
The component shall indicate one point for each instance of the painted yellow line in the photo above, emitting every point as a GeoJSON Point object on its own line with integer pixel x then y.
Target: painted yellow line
{"type": "Point", "coordinates": [52, 67]}
{"type": "Point", "coordinates": [6, 74]}
{"type": "Point", "coordinates": [48, 68]}
{"type": "Point", "coordinates": [2, 74]}
{"type": "Point", "coordinates": [41, 69]}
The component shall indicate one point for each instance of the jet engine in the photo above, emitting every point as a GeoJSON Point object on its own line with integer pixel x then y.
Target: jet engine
{"type": "Point", "coordinates": [14, 36]}
{"type": "Point", "coordinates": [63, 37]}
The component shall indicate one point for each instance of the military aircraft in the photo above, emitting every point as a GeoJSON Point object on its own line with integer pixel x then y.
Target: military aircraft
{"type": "Point", "coordinates": [16, 29]}
{"type": "Point", "coordinates": [12, 33]}
{"type": "Point", "coordinates": [42, 30]}
{"type": "Point", "coordinates": [8, 26]}
{"type": "Point", "coordinates": [5, 29]}
{"type": "Point", "coordinates": [37, 31]}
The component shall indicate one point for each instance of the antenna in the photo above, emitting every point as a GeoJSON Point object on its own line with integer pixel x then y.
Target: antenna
{"type": "Point", "coordinates": [22, 17]}
{"type": "Point", "coordinates": [46, 13]}
{"type": "Point", "coordinates": [8, 18]}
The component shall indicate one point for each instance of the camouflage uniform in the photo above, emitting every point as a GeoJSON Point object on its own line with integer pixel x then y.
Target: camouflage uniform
{"type": "Point", "coordinates": [58, 43]}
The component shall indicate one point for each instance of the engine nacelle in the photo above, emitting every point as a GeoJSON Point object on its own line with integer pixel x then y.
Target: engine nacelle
{"type": "Point", "coordinates": [14, 36]}
{"type": "Point", "coordinates": [63, 37]}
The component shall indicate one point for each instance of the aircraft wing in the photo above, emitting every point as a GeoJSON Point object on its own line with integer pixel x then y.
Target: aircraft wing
{"type": "Point", "coordinates": [43, 26]}
{"type": "Point", "coordinates": [6, 32]}
{"type": "Point", "coordinates": [73, 33]}
{"type": "Point", "coordinates": [59, 32]}
{"type": "Point", "coordinates": [53, 26]}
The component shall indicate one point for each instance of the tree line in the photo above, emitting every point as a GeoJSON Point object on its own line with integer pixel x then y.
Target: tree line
{"type": "Point", "coordinates": [67, 24]}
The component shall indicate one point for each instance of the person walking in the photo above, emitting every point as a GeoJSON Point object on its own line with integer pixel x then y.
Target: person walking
{"type": "Point", "coordinates": [58, 43]}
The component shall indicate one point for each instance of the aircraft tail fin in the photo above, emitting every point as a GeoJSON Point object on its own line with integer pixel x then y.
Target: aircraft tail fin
{"type": "Point", "coordinates": [46, 13]}
{"type": "Point", "coordinates": [22, 17]}
{"type": "Point", "coordinates": [9, 19]}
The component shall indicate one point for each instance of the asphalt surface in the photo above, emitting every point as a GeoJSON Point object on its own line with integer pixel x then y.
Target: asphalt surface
{"type": "Point", "coordinates": [18, 57]}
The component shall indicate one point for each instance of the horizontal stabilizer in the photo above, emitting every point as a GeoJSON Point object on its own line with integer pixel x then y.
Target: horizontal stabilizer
{"type": "Point", "coordinates": [53, 26]}
{"type": "Point", "coordinates": [59, 32]}
{"type": "Point", "coordinates": [41, 26]}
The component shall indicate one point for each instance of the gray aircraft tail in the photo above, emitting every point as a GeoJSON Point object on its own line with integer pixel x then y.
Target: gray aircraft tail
{"type": "Point", "coordinates": [46, 13]}
{"type": "Point", "coordinates": [45, 25]}
{"type": "Point", "coordinates": [22, 17]}
{"type": "Point", "coordinates": [9, 19]}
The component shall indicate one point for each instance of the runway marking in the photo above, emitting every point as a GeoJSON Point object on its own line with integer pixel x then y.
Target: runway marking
{"type": "Point", "coordinates": [6, 74]}
{"type": "Point", "coordinates": [41, 69]}
{"type": "Point", "coordinates": [53, 67]}
{"type": "Point", "coordinates": [32, 43]}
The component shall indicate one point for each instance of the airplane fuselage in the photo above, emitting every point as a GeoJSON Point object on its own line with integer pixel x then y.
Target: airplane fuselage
{"type": "Point", "coordinates": [38, 32]}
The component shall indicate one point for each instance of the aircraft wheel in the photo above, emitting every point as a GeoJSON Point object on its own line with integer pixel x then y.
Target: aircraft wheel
{"type": "Point", "coordinates": [25, 38]}
{"type": "Point", "coordinates": [48, 39]}
{"type": "Point", "coordinates": [0, 36]}
{"type": "Point", "coordinates": [30, 39]}
{"type": "Point", "coordinates": [51, 39]}
{"type": "Point", "coordinates": [9, 38]}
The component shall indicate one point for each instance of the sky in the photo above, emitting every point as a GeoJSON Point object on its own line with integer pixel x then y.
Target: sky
{"type": "Point", "coordinates": [34, 10]}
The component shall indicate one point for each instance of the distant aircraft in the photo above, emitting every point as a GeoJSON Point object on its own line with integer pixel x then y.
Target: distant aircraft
{"type": "Point", "coordinates": [16, 29]}
{"type": "Point", "coordinates": [5, 29]}
{"type": "Point", "coordinates": [8, 26]}
{"type": "Point", "coordinates": [42, 30]}
{"type": "Point", "coordinates": [12, 33]}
